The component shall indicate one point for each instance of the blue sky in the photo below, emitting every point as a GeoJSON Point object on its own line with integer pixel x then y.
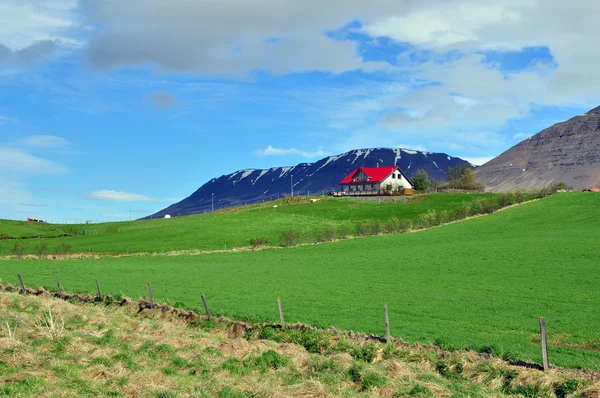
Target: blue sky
{"type": "Point", "coordinates": [110, 107]}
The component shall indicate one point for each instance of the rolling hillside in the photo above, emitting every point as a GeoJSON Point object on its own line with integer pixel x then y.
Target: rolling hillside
{"type": "Point", "coordinates": [98, 350]}
{"type": "Point", "coordinates": [225, 229]}
{"type": "Point", "coordinates": [479, 284]}
{"type": "Point", "coordinates": [254, 186]}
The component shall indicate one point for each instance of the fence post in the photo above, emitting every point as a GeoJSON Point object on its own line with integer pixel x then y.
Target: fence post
{"type": "Point", "coordinates": [206, 307]}
{"type": "Point", "coordinates": [388, 336]}
{"type": "Point", "coordinates": [21, 282]}
{"type": "Point", "coordinates": [149, 294]}
{"type": "Point", "coordinates": [544, 344]}
{"type": "Point", "coordinates": [280, 313]}
{"type": "Point", "coordinates": [59, 289]}
{"type": "Point", "coordinates": [98, 287]}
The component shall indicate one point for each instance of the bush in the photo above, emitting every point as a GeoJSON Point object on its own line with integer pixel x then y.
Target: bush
{"type": "Point", "coordinates": [393, 225]}
{"type": "Point", "coordinates": [506, 199]}
{"type": "Point", "coordinates": [520, 196]}
{"type": "Point", "coordinates": [64, 248]}
{"type": "Point", "coordinates": [343, 231]}
{"type": "Point", "coordinates": [18, 250]}
{"type": "Point", "coordinates": [462, 211]}
{"type": "Point", "coordinates": [42, 249]}
{"type": "Point", "coordinates": [428, 219]}
{"type": "Point", "coordinates": [406, 225]}
{"type": "Point", "coordinates": [258, 242]}
{"type": "Point", "coordinates": [325, 235]}
{"type": "Point", "coordinates": [290, 238]}
{"type": "Point", "coordinates": [376, 227]}
{"type": "Point", "coordinates": [363, 229]}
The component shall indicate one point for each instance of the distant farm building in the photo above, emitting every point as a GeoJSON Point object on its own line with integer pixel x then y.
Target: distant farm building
{"type": "Point", "coordinates": [366, 181]}
{"type": "Point", "coordinates": [167, 216]}
{"type": "Point", "coordinates": [594, 189]}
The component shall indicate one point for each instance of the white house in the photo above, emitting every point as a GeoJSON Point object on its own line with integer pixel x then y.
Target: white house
{"type": "Point", "coordinates": [372, 180]}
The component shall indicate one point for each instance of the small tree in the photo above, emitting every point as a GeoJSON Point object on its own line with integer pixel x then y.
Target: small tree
{"type": "Point", "coordinates": [42, 250]}
{"type": "Point", "coordinates": [421, 180]}
{"type": "Point", "coordinates": [18, 250]}
{"type": "Point", "coordinates": [64, 248]}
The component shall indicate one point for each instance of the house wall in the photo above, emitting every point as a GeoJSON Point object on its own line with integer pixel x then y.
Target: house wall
{"type": "Point", "coordinates": [396, 180]}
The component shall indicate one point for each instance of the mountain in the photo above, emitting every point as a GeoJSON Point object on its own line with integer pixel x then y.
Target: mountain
{"type": "Point", "coordinates": [567, 151]}
{"type": "Point", "coordinates": [253, 186]}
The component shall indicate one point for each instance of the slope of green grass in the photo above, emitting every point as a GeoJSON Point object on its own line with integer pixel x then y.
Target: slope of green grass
{"type": "Point", "coordinates": [98, 350]}
{"type": "Point", "coordinates": [481, 283]}
{"type": "Point", "coordinates": [233, 228]}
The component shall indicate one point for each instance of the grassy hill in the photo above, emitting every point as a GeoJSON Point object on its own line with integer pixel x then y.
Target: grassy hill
{"type": "Point", "coordinates": [216, 231]}
{"type": "Point", "coordinates": [50, 347]}
{"type": "Point", "coordinates": [479, 284]}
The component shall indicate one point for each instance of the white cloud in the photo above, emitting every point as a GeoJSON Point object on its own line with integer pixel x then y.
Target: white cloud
{"type": "Point", "coordinates": [477, 161]}
{"type": "Point", "coordinates": [270, 151]}
{"type": "Point", "coordinates": [118, 196]}
{"type": "Point", "coordinates": [414, 147]}
{"type": "Point", "coordinates": [27, 22]}
{"type": "Point", "coordinates": [521, 136]}
{"type": "Point", "coordinates": [44, 141]}
{"type": "Point", "coordinates": [17, 160]}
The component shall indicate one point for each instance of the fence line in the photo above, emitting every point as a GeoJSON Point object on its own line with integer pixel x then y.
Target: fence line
{"type": "Point", "coordinates": [387, 339]}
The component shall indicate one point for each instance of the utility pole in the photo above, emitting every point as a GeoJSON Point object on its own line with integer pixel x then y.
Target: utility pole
{"type": "Point", "coordinates": [292, 183]}
{"type": "Point", "coordinates": [212, 202]}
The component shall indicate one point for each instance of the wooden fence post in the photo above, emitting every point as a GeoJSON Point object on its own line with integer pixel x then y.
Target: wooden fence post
{"type": "Point", "coordinates": [388, 336]}
{"type": "Point", "coordinates": [59, 289]}
{"type": "Point", "coordinates": [21, 282]}
{"type": "Point", "coordinates": [150, 294]}
{"type": "Point", "coordinates": [544, 344]}
{"type": "Point", "coordinates": [206, 307]}
{"type": "Point", "coordinates": [280, 313]}
{"type": "Point", "coordinates": [98, 287]}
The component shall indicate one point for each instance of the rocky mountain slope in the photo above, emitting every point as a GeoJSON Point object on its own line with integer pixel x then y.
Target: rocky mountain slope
{"type": "Point", "coordinates": [253, 186]}
{"type": "Point", "coordinates": [568, 152]}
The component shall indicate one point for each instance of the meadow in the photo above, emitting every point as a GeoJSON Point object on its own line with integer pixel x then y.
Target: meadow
{"type": "Point", "coordinates": [222, 229]}
{"type": "Point", "coordinates": [102, 350]}
{"type": "Point", "coordinates": [480, 284]}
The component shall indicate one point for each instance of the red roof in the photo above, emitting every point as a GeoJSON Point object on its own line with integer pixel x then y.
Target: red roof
{"type": "Point", "coordinates": [594, 189]}
{"type": "Point", "coordinates": [375, 174]}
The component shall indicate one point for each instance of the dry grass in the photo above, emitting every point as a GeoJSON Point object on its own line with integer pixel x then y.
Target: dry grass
{"type": "Point", "coordinates": [50, 347]}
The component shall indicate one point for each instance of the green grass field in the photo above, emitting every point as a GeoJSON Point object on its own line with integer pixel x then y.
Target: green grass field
{"type": "Point", "coordinates": [480, 284]}
{"type": "Point", "coordinates": [233, 228]}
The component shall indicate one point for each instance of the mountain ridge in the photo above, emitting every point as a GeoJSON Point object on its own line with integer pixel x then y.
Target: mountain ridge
{"type": "Point", "coordinates": [249, 186]}
{"type": "Point", "coordinates": [567, 151]}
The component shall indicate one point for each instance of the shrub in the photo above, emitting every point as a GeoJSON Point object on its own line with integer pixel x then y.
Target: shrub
{"type": "Point", "coordinates": [376, 227]}
{"type": "Point", "coordinates": [505, 199]}
{"type": "Point", "coordinates": [258, 242]}
{"type": "Point", "coordinates": [393, 225]}
{"type": "Point", "coordinates": [290, 238]}
{"type": "Point", "coordinates": [42, 250]}
{"type": "Point", "coordinates": [18, 250]}
{"type": "Point", "coordinates": [442, 217]}
{"type": "Point", "coordinates": [520, 196]}
{"type": "Point", "coordinates": [343, 231]}
{"type": "Point", "coordinates": [428, 219]}
{"type": "Point", "coordinates": [325, 235]}
{"type": "Point", "coordinates": [489, 205]}
{"type": "Point", "coordinates": [462, 211]}
{"type": "Point", "coordinates": [363, 229]}
{"type": "Point", "coordinates": [64, 248]}
{"type": "Point", "coordinates": [406, 225]}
